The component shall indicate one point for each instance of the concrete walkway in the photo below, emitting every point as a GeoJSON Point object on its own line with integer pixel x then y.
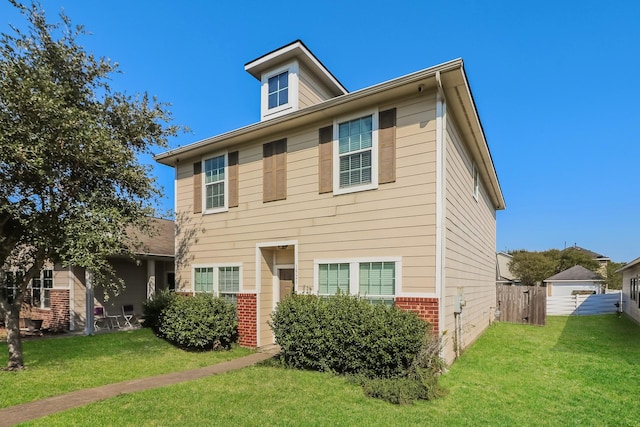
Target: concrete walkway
{"type": "Point", "coordinates": [39, 408]}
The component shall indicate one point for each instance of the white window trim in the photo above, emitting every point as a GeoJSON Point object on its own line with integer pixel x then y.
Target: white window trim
{"type": "Point", "coordinates": [374, 153]}
{"type": "Point", "coordinates": [354, 271]}
{"type": "Point", "coordinates": [292, 68]}
{"type": "Point", "coordinates": [224, 208]}
{"type": "Point", "coordinates": [42, 288]}
{"type": "Point", "coordinates": [216, 284]}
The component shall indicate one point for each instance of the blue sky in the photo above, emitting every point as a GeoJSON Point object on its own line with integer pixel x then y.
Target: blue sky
{"type": "Point", "coordinates": [555, 83]}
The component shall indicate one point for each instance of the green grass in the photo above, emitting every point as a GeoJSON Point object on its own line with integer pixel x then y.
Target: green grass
{"type": "Point", "coordinates": [574, 371]}
{"type": "Point", "coordinates": [59, 365]}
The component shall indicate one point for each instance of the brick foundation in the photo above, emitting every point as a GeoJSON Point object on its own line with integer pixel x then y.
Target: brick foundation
{"type": "Point", "coordinates": [426, 308]}
{"type": "Point", "coordinates": [248, 320]}
{"type": "Point", "coordinates": [55, 318]}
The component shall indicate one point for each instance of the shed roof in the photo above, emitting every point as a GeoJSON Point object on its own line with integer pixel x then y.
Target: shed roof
{"type": "Point", "coordinates": [577, 272]}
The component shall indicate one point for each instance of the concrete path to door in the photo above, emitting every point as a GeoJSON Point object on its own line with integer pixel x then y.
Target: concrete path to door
{"type": "Point", "coordinates": [40, 408]}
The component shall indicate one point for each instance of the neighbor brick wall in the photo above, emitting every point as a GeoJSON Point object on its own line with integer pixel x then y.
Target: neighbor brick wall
{"type": "Point", "coordinates": [248, 320]}
{"type": "Point", "coordinates": [55, 318]}
{"type": "Point", "coordinates": [425, 308]}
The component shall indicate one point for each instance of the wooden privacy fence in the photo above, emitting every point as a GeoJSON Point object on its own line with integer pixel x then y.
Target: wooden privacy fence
{"type": "Point", "coordinates": [521, 304]}
{"type": "Point", "coordinates": [582, 305]}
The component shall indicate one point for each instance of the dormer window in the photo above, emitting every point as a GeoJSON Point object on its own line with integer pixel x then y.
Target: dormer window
{"type": "Point", "coordinates": [279, 91]}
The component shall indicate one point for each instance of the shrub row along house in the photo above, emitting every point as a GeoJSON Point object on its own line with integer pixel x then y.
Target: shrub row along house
{"type": "Point", "coordinates": [388, 192]}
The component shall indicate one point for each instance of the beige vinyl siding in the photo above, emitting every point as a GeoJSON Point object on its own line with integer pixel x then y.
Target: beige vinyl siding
{"type": "Point", "coordinates": [310, 90]}
{"type": "Point", "coordinates": [395, 220]}
{"type": "Point", "coordinates": [469, 245]}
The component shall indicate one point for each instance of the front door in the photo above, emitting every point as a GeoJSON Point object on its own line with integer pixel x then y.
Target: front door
{"type": "Point", "coordinates": [286, 276]}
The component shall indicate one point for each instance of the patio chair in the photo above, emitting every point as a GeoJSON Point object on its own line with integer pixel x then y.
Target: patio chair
{"type": "Point", "coordinates": [99, 315]}
{"type": "Point", "coordinates": [129, 315]}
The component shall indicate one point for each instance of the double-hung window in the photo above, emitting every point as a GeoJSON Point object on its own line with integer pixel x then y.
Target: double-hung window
{"type": "Point", "coordinates": [378, 281]}
{"type": "Point", "coordinates": [221, 280]}
{"type": "Point", "coordinates": [12, 282]}
{"type": "Point", "coordinates": [333, 278]}
{"type": "Point", "coordinates": [278, 89]}
{"type": "Point", "coordinates": [374, 279]}
{"type": "Point", "coordinates": [215, 183]}
{"type": "Point", "coordinates": [229, 283]}
{"type": "Point", "coordinates": [41, 289]}
{"type": "Point", "coordinates": [356, 154]}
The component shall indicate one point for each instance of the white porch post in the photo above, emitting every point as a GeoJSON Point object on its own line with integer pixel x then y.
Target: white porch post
{"type": "Point", "coordinates": [88, 326]}
{"type": "Point", "coordinates": [151, 278]}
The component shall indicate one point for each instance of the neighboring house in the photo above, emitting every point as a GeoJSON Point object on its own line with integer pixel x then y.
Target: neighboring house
{"type": "Point", "coordinates": [504, 275]}
{"type": "Point", "coordinates": [388, 192]}
{"type": "Point", "coordinates": [59, 296]}
{"type": "Point", "coordinates": [631, 288]}
{"type": "Point", "coordinates": [601, 259]}
{"type": "Point", "coordinates": [571, 281]}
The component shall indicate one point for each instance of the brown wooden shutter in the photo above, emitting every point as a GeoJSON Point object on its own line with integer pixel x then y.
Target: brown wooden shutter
{"type": "Point", "coordinates": [325, 160]}
{"type": "Point", "coordinates": [268, 193]}
{"type": "Point", "coordinates": [233, 179]}
{"type": "Point", "coordinates": [197, 187]}
{"type": "Point", "coordinates": [280, 166]}
{"type": "Point", "coordinates": [387, 146]}
{"type": "Point", "coordinates": [274, 179]}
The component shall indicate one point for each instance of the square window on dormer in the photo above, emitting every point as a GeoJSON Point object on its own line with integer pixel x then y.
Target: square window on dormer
{"type": "Point", "coordinates": [278, 90]}
{"type": "Point", "coordinates": [279, 93]}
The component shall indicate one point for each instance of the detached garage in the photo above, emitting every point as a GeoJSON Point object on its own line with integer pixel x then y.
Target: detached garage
{"type": "Point", "coordinates": [574, 280]}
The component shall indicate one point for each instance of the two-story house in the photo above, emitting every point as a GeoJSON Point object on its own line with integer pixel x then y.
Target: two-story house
{"type": "Point", "coordinates": [388, 192]}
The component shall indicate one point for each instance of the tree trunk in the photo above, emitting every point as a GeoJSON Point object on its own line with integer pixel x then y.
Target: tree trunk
{"type": "Point", "coordinates": [14, 342]}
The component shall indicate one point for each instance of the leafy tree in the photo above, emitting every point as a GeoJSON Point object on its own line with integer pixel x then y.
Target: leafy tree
{"type": "Point", "coordinates": [613, 279]}
{"type": "Point", "coordinates": [534, 267]}
{"type": "Point", "coordinates": [531, 267]}
{"type": "Point", "coordinates": [571, 257]}
{"type": "Point", "coordinates": [71, 179]}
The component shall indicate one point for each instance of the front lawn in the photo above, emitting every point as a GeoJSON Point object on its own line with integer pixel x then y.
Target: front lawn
{"type": "Point", "coordinates": [59, 365]}
{"type": "Point", "coordinates": [574, 371]}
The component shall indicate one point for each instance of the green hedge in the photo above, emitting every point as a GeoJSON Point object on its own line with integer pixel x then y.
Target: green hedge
{"type": "Point", "coordinates": [200, 322]}
{"type": "Point", "coordinates": [347, 335]}
{"type": "Point", "coordinates": [152, 309]}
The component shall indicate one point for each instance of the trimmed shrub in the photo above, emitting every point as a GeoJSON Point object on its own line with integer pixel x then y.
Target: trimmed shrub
{"type": "Point", "coordinates": [200, 322]}
{"type": "Point", "coordinates": [152, 309]}
{"type": "Point", "coordinates": [347, 335]}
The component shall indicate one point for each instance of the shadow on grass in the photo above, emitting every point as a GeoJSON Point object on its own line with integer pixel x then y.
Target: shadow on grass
{"type": "Point", "coordinates": [616, 338]}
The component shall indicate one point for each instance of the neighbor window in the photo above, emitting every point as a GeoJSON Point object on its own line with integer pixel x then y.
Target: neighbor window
{"type": "Point", "coordinates": [214, 183]}
{"type": "Point", "coordinates": [41, 289]}
{"type": "Point", "coordinates": [12, 284]}
{"type": "Point", "coordinates": [633, 288]}
{"type": "Point", "coordinates": [222, 280]}
{"type": "Point", "coordinates": [278, 90]}
{"type": "Point", "coordinates": [373, 279]}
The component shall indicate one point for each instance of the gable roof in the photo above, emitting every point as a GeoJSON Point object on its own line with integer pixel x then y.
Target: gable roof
{"type": "Point", "coordinates": [160, 243]}
{"type": "Point", "coordinates": [450, 77]}
{"type": "Point", "coordinates": [575, 273]}
{"type": "Point", "coordinates": [592, 254]}
{"type": "Point", "coordinates": [629, 265]}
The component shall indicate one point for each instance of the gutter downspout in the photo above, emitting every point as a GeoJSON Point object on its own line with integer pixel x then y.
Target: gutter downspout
{"type": "Point", "coordinates": [441, 120]}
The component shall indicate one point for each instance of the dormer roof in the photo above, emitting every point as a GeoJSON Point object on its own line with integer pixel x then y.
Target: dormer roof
{"type": "Point", "coordinates": [295, 51]}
